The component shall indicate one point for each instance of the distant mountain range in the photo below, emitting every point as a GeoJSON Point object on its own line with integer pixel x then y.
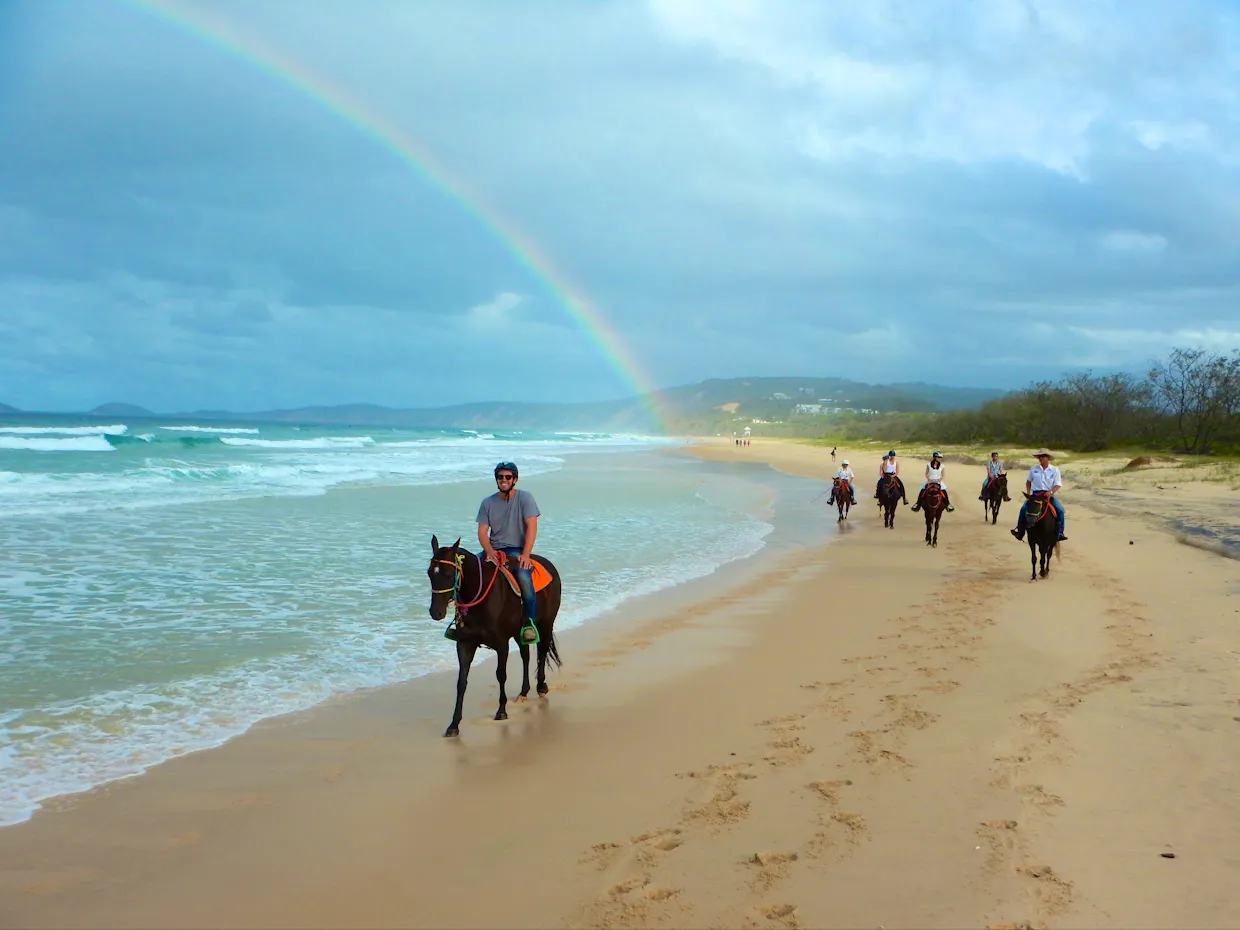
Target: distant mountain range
{"type": "Point", "coordinates": [708, 406]}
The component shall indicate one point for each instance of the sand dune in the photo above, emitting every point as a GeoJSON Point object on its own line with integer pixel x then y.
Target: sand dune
{"type": "Point", "coordinates": [873, 733]}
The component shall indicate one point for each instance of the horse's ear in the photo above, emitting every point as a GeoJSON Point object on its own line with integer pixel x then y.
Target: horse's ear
{"type": "Point", "coordinates": [457, 544]}
{"type": "Point", "coordinates": [434, 544]}
{"type": "Point", "coordinates": [1026, 493]}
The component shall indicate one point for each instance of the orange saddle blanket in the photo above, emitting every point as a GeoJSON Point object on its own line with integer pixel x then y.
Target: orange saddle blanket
{"type": "Point", "coordinates": [540, 576]}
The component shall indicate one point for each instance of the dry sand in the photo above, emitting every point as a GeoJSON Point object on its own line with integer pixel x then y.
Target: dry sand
{"type": "Point", "coordinates": [870, 734]}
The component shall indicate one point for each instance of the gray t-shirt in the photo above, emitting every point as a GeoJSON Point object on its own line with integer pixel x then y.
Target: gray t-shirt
{"type": "Point", "coordinates": [506, 518]}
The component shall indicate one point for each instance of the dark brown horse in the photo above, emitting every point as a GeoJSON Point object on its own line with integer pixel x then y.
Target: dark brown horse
{"type": "Point", "coordinates": [1042, 531]}
{"type": "Point", "coordinates": [489, 613]}
{"type": "Point", "coordinates": [841, 495]}
{"type": "Point", "coordinates": [933, 503]}
{"type": "Point", "coordinates": [890, 493]}
{"type": "Point", "coordinates": [993, 496]}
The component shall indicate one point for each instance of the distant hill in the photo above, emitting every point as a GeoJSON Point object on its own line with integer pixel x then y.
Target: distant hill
{"type": "Point", "coordinates": [5, 408]}
{"type": "Point", "coordinates": [119, 410]}
{"type": "Point", "coordinates": [709, 406]}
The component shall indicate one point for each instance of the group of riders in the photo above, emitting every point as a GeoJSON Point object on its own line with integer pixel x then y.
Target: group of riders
{"type": "Point", "coordinates": [1043, 478]}
{"type": "Point", "coordinates": [508, 519]}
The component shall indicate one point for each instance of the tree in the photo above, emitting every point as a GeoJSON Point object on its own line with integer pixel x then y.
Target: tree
{"type": "Point", "coordinates": [1199, 390]}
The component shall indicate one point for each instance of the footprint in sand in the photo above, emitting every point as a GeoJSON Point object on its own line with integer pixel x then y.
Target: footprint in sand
{"type": "Point", "coordinates": [840, 835]}
{"type": "Point", "coordinates": [771, 868]}
{"type": "Point", "coordinates": [775, 915]}
{"type": "Point", "coordinates": [1052, 893]}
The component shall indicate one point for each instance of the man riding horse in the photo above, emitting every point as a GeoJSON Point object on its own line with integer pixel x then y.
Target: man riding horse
{"type": "Point", "coordinates": [935, 470]}
{"type": "Point", "coordinates": [994, 470]}
{"type": "Point", "coordinates": [508, 524]}
{"type": "Point", "coordinates": [1044, 478]}
{"type": "Point", "coordinates": [844, 474]}
{"type": "Point", "coordinates": [889, 470]}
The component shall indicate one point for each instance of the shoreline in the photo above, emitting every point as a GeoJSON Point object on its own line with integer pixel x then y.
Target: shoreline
{"type": "Point", "coordinates": [640, 602]}
{"type": "Point", "coordinates": [756, 754]}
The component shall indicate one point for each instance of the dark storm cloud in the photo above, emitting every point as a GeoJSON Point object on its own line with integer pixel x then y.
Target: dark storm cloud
{"type": "Point", "coordinates": [971, 193]}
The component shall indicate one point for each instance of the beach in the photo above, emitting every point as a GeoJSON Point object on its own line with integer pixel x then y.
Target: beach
{"type": "Point", "coordinates": [845, 729]}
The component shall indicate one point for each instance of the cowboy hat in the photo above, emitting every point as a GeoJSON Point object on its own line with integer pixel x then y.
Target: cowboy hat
{"type": "Point", "coordinates": [1043, 451]}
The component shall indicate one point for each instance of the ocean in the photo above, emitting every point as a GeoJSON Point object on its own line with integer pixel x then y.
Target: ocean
{"type": "Point", "coordinates": [165, 585]}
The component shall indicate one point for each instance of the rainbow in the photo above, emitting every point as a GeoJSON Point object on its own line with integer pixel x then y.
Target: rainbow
{"type": "Point", "coordinates": [417, 156]}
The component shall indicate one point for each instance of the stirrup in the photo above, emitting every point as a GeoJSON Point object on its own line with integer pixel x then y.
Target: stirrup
{"type": "Point", "coordinates": [529, 634]}
{"type": "Point", "coordinates": [450, 631]}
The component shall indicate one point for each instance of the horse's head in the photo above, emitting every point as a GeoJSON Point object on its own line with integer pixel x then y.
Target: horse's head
{"type": "Point", "coordinates": [444, 571]}
{"type": "Point", "coordinates": [1036, 507]}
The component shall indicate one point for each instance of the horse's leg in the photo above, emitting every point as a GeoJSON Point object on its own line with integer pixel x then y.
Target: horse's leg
{"type": "Point", "coordinates": [938, 515]}
{"type": "Point", "coordinates": [542, 666]}
{"type": "Point", "coordinates": [501, 675]}
{"type": "Point", "coordinates": [525, 674]}
{"type": "Point", "coordinates": [464, 657]}
{"type": "Point", "coordinates": [1033, 558]}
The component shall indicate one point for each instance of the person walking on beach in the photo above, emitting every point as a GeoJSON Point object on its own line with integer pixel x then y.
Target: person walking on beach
{"type": "Point", "coordinates": [1042, 477]}
{"type": "Point", "coordinates": [844, 473]}
{"type": "Point", "coordinates": [508, 524]}
{"type": "Point", "coordinates": [833, 448]}
{"type": "Point", "coordinates": [994, 468]}
{"type": "Point", "coordinates": [889, 467]}
{"type": "Point", "coordinates": [935, 470]}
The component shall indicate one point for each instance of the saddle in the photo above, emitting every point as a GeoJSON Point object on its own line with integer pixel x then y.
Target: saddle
{"type": "Point", "coordinates": [540, 576]}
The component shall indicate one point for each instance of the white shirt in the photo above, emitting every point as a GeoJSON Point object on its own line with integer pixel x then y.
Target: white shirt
{"type": "Point", "coordinates": [845, 473]}
{"type": "Point", "coordinates": [934, 474]}
{"type": "Point", "coordinates": [889, 467]}
{"type": "Point", "coordinates": [1043, 479]}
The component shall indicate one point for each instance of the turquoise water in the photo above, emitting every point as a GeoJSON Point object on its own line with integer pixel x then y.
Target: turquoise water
{"type": "Point", "coordinates": [166, 585]}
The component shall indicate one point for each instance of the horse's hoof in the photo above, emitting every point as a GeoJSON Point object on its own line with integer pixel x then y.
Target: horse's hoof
{"type": "Point", "coordinates": [542, 692]}
{"type": "Point", "coordinates": [501, 715]}
{"type": "Point", "coordinates": [521, 699]}
{"type": "Point", "coordinates": [452, 731]}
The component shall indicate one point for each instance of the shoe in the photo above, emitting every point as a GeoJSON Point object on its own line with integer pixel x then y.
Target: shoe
{"type": "Point", "coordinates": [1063, 538]}
{"type": "Point", "coordinates": [980, 498]}
{"type": "Point", "coordinates": [1007, 498]}
{"type": "Point", "coordinates": [950, 508]}
{"type": "Point", "coordinates": [853, 502]}
{"type": "Point", "coordinates": [1018, 534]}
{"type": "Point", "coordinates": [916, 507]}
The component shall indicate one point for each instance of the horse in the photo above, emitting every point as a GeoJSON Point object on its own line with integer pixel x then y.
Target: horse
{"type": "Point", "coordinates": [993, 495]}
{"type": "Point", "coordinates": [1042, 531]}
{"type": "Point", "coordinates": [842, 495]}
{"type": "Point", "coordinates": [889, 496]}
{"type": "Point", "coordinates": [493, 617]}
{"type": "Point", "coordinates": [933, 503]}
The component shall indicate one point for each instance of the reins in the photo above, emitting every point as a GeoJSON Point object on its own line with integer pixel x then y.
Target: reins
{"type": "Point", "coordinates": [458, 566]}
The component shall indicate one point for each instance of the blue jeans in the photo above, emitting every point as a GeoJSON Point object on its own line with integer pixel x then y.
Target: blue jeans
{"type": "Point", "coordinates": [526, 582]}
{"type": "Point", "coordinates": [1020, 520]}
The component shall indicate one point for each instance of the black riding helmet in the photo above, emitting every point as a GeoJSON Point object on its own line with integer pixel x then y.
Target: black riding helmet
{"type": "Point", "coordinates": [507, 466]}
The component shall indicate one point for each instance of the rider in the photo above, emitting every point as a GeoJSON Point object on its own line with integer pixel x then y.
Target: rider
{"type": "Point", "coordinates": [508, 523]}
{"type": "Point", "coordinates": [889, 467]}
{"type": "Point", "coordinates": [935, 470]}
{"type": "Point", "coordinates": [994, 468]}
{"type": "Point", "coordinates": [1042, 477]}
{"type": "Point", "coordinates": [844, 473]}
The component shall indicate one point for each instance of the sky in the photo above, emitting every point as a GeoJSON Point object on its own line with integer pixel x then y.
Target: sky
{"type": "Point", "coordinates": [977, 193]}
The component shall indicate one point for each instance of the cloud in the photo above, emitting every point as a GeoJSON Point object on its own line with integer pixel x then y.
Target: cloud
{"type": "Point", "coordinates": [1126, 240]}
{"type": "Point", "coordinates": [888, 190]}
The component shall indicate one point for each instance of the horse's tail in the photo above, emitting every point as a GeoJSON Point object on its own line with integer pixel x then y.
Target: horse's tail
{"type": "Point", "coordinates": [552, 652]}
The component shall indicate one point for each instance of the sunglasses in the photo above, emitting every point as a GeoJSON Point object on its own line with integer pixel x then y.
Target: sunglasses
{"type": "Point", "coordinates": [505, 477]}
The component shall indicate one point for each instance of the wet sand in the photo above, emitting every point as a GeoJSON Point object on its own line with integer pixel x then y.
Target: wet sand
{"type": "Point", "coordinates": [870, 733]}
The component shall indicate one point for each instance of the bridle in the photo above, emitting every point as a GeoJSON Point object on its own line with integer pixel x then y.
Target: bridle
{"type": "Point", "coordinates": [458, 567]}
